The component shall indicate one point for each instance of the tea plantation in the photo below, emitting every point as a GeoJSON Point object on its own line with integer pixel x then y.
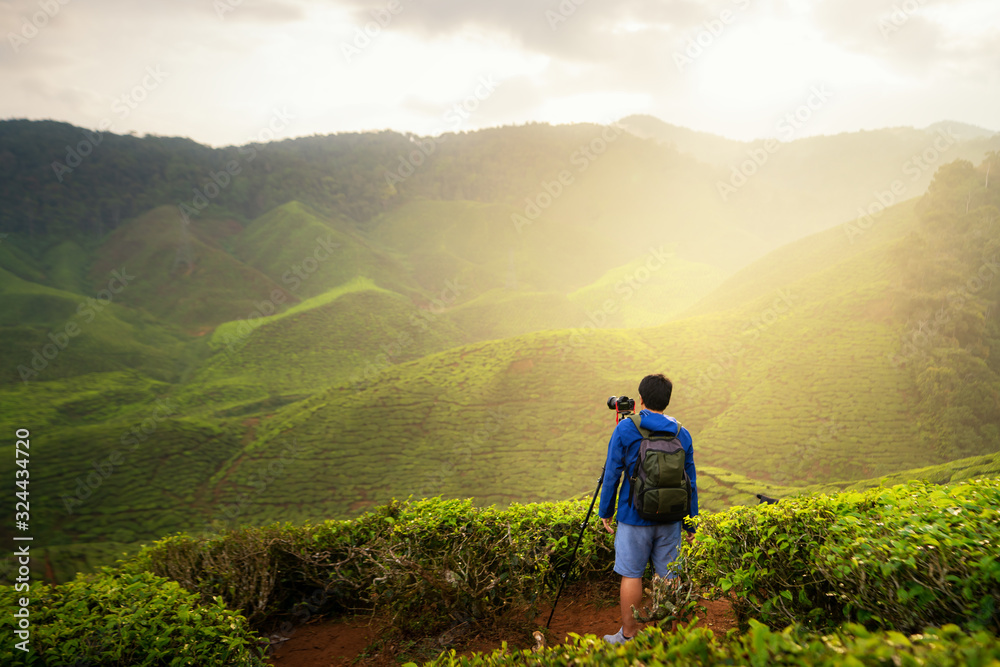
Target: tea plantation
{"type": "Point", "coordinates": [907, 573]}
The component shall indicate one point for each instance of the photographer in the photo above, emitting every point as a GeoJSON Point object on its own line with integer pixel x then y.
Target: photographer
{"type": "Point", "coordinates": [638, 540]}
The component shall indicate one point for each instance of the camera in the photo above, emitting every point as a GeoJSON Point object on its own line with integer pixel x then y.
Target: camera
{"type": "Point", "coordinates": [622, 404]}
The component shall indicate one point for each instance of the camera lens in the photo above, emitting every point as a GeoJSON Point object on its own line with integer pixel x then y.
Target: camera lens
{"type": "Point", "coordinates": [612, 403]}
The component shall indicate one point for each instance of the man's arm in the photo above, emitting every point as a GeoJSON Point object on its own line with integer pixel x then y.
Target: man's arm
{"type": "Point", "coordinates": [692, 474]}
{"type": "Point", "coordinates": [613, 466]}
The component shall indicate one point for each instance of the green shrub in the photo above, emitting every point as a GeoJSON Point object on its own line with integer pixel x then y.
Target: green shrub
{"type": "Point", "coordinates": [457, 561]}
{"type": "Point", "coordinates": [899, 558]}
{"type": "Point", "coordinates": [111, 618]}
{"type": "Point", "coordinates": [250, 569]}
{"type": "Point", "coordinates": [427, 562]}
{"type": "Point", "coordinates": [929, 559]}
{"type": "Point", "coordinates": [759, 647]}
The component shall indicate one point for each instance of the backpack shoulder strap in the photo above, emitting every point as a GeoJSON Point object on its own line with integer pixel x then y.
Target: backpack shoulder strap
{"type": "Point", "coordinates": [635, 420]}
{"type": "Point", "coordinates": [646, 433]}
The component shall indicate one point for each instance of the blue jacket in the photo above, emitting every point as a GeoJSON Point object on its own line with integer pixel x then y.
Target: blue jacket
{"type": "Point", "coordinates": [623, 451]}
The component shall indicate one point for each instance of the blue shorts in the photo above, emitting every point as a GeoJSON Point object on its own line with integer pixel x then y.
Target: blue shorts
{"type": "Point", "coordinates": [637, 545]}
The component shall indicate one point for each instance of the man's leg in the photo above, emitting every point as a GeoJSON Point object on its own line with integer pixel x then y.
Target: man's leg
{"type": "Point", "coordinates": [631, 595]}
{"type": "Point", "coordinates": [666, 543]}
{"type": "Point", "coordinates": [632, 548]}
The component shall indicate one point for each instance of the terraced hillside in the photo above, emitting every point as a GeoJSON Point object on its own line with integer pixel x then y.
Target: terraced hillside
{"type": "Point", "coordinates": [797, 384]}
{"type": "Point", "coordinates": [308, 253]}
{"type": "Point", "coordinates": [182, 274]}
{"type": "Point", "coordinates": [437, 348]}
{"type": "Point", "coordinates": [48, 333]}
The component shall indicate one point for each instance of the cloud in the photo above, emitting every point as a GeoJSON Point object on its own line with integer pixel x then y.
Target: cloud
{"type": "Point", "coordinates": [570, 29]}
{"type": "Point", "coordinates": [914, 36]}
{"type": "Point", "coordinates": [260, 11]}
{"type": "Point", "coordinates": [559, 60]}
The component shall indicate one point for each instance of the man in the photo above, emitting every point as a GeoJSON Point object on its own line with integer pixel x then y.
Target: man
{"type": "Point", "coordinates": [638, 540]}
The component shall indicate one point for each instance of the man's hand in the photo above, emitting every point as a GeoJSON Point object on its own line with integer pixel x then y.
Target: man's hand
{"type": "Point", "coordinates": [607, 525]}
{"type": "Point", "coordinates": [689, 537]}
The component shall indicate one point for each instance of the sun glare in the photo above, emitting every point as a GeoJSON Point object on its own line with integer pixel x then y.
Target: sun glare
{"type": "Point", "coordinates": [763, 71]}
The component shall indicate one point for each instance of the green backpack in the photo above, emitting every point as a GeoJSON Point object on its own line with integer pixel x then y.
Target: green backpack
{"type": "Point", "coordinates": [661, 490]}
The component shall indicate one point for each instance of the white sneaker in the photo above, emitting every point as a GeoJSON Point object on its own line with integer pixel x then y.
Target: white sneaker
{"type": "Point", "coordinates": [618, 638]}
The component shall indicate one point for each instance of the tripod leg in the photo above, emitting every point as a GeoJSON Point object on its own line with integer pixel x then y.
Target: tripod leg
{"type": "Point", "coordinates": [572, 557]}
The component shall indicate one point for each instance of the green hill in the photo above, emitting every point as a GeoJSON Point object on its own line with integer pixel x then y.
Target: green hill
{"type": "Point", "coordinates": [443, 347]}
{"type": "Point", "coordinates": [66, 266]}
{"type": "Point", "coordinates": [501, 313]}
{"type": "Point", "coordinates": [19, 262]}
{"type": "Point", "coordinates": [346, 335]}
{"type": "Point", "coordinates": [181, 274]}
{"type": "Point", "coordinates": [818, 252]}
{"type": "Point", "coordinates": [47, 334]}
{"type": "Point", "coordinates": [609, 186]}
{"type": "Point", "coordinates": [307, 255]}
{"type": "Point", "coordinates": [648, 291]}
{"type": "Point", "coordinates": [799, 185]}
{"type": "Point", "coordinates": [114, 461]}
{"type": "Point", "coordinates": [793, 385]}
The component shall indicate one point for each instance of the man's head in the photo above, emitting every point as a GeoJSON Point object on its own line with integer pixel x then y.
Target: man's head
{"type": "Point", "coordinates": [655, 392]}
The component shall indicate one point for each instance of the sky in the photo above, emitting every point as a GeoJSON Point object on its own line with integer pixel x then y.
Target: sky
{"type": "Point", "coordinates": [226, 72]}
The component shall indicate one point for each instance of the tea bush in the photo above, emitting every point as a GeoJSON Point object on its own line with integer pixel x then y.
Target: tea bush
{"type": "Point", "coordinates": [899, 558]}
{"type": "Point", "coordinates": [817, 580]}
{"type": "Point", "coordinates": [427, 562]}
{"type": "Point", "coordinates": [111, 618]}
{"type": "Point", "coordinates": [760, 646]}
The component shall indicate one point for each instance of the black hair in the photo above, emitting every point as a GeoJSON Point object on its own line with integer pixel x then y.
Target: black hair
{"type": "Point", "coordinates": [655, 391]}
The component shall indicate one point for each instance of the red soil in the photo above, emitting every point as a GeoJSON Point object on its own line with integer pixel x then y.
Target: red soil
{"type": "Point", "coordinates": [344, 641]}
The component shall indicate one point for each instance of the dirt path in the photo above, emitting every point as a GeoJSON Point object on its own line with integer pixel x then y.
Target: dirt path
{"type": "Point", "coordinates": [344, 641]}
{"type": "Point", "coordinates": [338, 642]}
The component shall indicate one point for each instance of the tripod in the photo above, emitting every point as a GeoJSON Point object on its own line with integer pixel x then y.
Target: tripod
{"type": "Point", "coordinates": [583, 526]}
{"type": "Point", "coordinates": [579, 539]}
